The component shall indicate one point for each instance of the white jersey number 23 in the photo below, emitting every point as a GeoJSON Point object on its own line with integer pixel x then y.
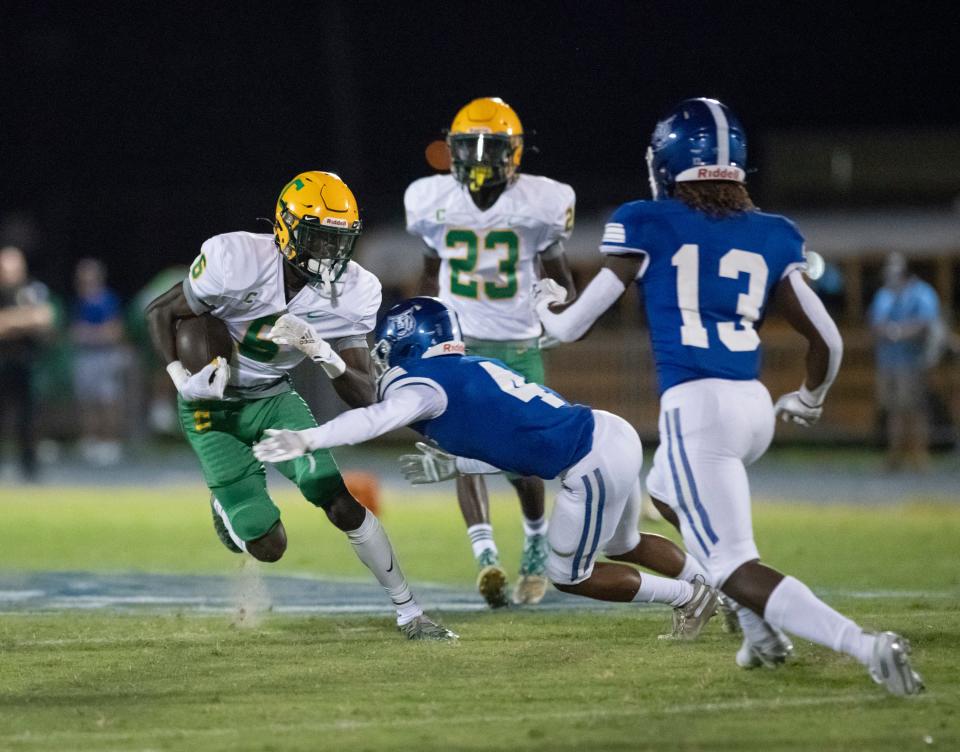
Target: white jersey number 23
{"type": "Point", "coordinates": [733, 263]}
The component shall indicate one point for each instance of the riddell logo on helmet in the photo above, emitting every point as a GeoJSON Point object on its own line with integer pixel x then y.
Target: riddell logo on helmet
{"type": "Point", "coordinates": [453, 347]}
{"type": "Point", "coordinates": [335, 221]}
{"type": "Point", "coordinates": [719, 173]}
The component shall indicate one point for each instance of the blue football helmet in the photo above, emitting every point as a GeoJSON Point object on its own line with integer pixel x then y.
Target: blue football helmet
{"type": "Point", "coordinates": [701, 139]}
{"type": "Point", "coordinates": [419, 327]}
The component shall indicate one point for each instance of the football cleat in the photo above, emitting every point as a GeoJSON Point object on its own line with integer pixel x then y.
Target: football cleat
{"type": "Point", "coordinates": [728, 612]}
{"type": "Point", "coordinates": [690, 618]}
{"type": "Point", "coordinates": [770, 652]}
{"type": "Point", "coordinates": [492, 580]}
{"type": "Point", "coordinates": [890, 665]}
{"type": "Point", "coordinates": [426, 629]}
{"type": "Point", "coordinates": [532, 585]}
{"type": "Point", "coordinates": [220, 528]}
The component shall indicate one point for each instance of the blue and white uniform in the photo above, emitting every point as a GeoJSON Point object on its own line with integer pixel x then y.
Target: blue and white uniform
{"type": "Point", "coordinates": [492, 419]}
{"type": "Point", "coordinates": [705, 284]}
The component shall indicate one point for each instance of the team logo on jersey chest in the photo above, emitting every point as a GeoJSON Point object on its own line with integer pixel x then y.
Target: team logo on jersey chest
{"type": "Point", "coordinates": [404, 323]}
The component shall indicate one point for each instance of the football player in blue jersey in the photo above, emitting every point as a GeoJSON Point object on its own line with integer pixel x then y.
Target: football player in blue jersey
{"type": "Point", "coordinates": [707, 263]}
{"type": "Point", "coordinates": [428, 383]}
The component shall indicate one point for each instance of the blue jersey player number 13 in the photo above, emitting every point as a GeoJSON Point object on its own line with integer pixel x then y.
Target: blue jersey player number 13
{"type": "Point", "coordinates": [707, 261]}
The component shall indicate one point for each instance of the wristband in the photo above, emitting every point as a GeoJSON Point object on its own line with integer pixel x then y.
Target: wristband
{"type": "Point", "coordinates": [178, 373]}
{"type": "Point", "coordinates": [812, 397]}
{"type": "Point", "coordinates": [333, 365]}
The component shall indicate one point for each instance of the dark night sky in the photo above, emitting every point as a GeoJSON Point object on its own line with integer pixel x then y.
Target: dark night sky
{"type": "Point", "coordinates": [132, 134]}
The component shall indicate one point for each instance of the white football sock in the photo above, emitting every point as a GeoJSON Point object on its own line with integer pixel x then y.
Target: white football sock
{"type": "Point", "coordinates": [535, 527]}
{"type": "Point", "coordinates": [654, 589]}
{"type": "Point", "coordinates": [481, 538]}
{"type": "Point", "coordinates": [692, 568]}
{"type": "Point", "coordinates": [793, 607]}
{"type": "Point", "coordinates": [755, 629]}
{"type": "Point", "coordinates": [373, 549]}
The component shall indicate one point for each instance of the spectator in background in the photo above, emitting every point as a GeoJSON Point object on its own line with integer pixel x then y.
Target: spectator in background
{"type": "Point", "coordinates": [99, 363]}
{"type": "Point", "coordinates": [26, 318]}
{"type": "Point", "coordinates": [904, 316]}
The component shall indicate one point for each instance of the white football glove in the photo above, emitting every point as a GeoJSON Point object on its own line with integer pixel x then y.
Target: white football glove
{"type": "Point", "coordinates": [430, 466]}
{"type": "Point", "coordinates": [294, 331]}
{"type": "Point", "coordinates": [546, 292]}
{"type": "Point", "coordinates": [206, 384]}
{"type": "Point", "coordinates": [281, 445]}
{"type": "Point", "coordinates": [790, 407]}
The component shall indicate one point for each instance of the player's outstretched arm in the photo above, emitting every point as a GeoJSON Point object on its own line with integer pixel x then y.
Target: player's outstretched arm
{"type": "Point", "coordinates": [568, 322]}
{"type": "Point", "coordinates": [806, 313]}
{"type": "Point", "coordinates": [400, 408]}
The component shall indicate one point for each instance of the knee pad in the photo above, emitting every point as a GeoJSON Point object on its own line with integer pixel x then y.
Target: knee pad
{"type": "Point", "coordinates": [253, 520]}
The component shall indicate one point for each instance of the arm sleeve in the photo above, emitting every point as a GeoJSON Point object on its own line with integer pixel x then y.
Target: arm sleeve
{"type": "Point", "coordinates": [468, 466]}
{"type": "Point", "coordinates": [403, 406]}
{"type": "Point", "coordinates": [572, 323]}
{"type": "Point", "coordinates": [350, 342]}
{"type": "Point", "coordinates": [814, 310]}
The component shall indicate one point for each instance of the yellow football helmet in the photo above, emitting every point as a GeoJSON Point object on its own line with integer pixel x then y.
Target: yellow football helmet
{"type": "Point", "coordinates": [486, 143]}
{"type": "Point", "coordinates": [317, 224]}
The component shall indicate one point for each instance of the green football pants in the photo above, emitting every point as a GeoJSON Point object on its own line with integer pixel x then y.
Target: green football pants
{"type": "Point", "coordinates": [222, 435]}
{"type": "Point", "coordinates": [523, 357]}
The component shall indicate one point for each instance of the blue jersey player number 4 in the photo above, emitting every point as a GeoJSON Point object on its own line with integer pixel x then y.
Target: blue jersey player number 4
{"type": "Point", "coordinates": [488, 418]}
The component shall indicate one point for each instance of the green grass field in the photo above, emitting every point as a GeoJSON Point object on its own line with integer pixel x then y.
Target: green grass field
{"type": "Point", "coordinates": [595, 680]}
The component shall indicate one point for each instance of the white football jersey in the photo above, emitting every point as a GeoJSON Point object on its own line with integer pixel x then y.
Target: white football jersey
{"type": "Point", "coordinates": [238, 277]}
{"type": "Point", "coordinates": [488, 258]}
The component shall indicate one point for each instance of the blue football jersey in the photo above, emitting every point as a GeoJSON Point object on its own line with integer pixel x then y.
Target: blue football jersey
{"type": "Point", "coordinates": [494, 415]}
{"type": "Point", "coordinates": [705, 283]}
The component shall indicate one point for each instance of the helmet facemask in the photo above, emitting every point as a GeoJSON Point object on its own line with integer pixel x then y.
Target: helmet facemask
{"type": "Point", "coordinates": [656, 191]}
{"type": "Point", "coordinates": [483, 159]}
{"type": "Point", "coordinates": [319, 253]}
{"type": "Point", "coordinates": [380, 358]}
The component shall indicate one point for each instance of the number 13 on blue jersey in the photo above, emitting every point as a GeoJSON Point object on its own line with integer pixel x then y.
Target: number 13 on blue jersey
{"type": "Point", "coordinates": [749, 304]}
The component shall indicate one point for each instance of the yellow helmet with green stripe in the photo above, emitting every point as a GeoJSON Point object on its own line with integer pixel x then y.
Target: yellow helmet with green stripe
{"type": "Point", "coordinates": [317, 225]}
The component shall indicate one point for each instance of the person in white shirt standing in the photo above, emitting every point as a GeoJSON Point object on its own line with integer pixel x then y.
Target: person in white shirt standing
{"type": "Point", "coordinates": [489, 234]}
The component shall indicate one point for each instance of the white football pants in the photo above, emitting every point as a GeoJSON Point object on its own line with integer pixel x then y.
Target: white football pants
{"type": "Point", "coordinates": [710, 430]}
{"type": "Point", "coordinates": [598, 507]}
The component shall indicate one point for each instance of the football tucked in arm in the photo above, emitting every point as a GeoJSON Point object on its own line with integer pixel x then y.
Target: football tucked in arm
{"type": "Point", "coordinates": [200, 339]}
